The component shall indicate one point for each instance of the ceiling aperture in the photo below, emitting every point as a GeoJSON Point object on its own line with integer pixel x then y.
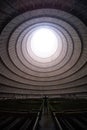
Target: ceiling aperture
{"type": "Point", "coordinates": [43, 42]}
{"type": "Point", "coordinates": [42, 52]}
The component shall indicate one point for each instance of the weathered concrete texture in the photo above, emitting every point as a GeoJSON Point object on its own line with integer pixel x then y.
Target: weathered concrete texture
{"type": "Point", "coordinates": [22, 72]}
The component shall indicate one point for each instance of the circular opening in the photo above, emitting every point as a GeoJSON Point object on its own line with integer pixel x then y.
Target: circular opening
{"type": "Point", "coordinates": [44, 42]}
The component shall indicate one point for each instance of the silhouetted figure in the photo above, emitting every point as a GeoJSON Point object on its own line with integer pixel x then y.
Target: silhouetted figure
{"type": "Point", "coordinates": [45, 101]}
{"type": "Point", "coordinates": [45, 104]}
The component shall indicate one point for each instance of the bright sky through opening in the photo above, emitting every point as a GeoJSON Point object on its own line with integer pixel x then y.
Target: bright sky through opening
{"type": "Point", "coordinates": [44, 42]}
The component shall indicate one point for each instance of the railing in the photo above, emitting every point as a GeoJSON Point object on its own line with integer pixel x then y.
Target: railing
{"type": "Point", "coordinates": [38, 118]}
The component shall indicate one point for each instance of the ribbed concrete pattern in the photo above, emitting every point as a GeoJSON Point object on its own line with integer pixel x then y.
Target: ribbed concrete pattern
{"type": "Point", "coordinates": [23, 73]}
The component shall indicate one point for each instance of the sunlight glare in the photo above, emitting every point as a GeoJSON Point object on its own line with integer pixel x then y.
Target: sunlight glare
{"type": "Point", "coordinates": [44, 42]}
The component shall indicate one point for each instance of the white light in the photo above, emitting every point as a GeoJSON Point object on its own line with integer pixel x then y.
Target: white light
{"type": "Point", "coordinates": [44, 42]}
